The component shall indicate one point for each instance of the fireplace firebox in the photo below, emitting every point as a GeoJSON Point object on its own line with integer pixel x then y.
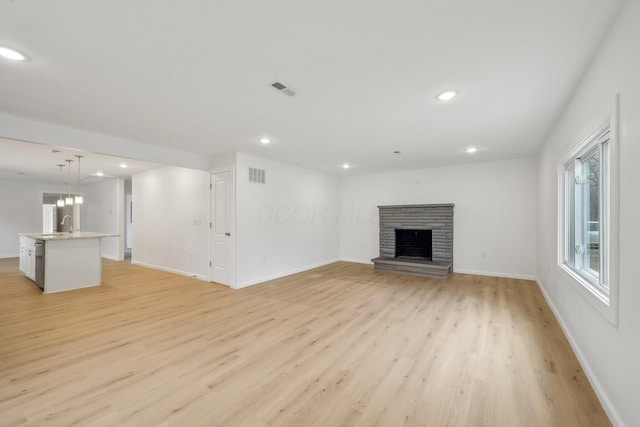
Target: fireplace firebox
{"type": "Point", "coordinates": [413, 244]}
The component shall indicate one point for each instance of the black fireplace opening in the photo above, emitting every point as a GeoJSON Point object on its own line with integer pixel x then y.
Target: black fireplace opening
{"type": "Point", "coordinates": [413, 244]}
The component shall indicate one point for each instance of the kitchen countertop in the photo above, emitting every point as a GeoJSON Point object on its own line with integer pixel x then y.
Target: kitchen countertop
{"type": "Point", "coordinates": [67, 236]}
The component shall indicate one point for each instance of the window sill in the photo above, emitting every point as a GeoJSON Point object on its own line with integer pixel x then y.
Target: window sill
{"type": "Point", "coordinates": [600, 301]}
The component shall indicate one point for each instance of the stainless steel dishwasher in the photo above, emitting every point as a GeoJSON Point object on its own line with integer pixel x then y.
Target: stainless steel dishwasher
{"type": "Point", "coordinates": [40, 263]}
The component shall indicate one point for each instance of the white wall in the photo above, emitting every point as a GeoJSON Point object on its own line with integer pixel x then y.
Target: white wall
{"type": "Point", "coordinates": [170, 220]}
{"type": "Point", "coordinates": [23, 214]}
{"type": "Point", "coordinates": [286, 225]}
{"type": "Point", "coordinates": [494, 215]}
{"type": "Point", "coordinates": [609, 354]}
{"type": "Point", "coordinates": [103, 212]}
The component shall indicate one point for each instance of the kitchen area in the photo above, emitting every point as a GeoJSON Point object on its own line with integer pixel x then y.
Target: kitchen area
{"type": "Point", "coordinates": [62, 257]}
{"type": "Point", "coordinates": [67, 210]}
{"type": "Point", "coordinates": [62, 261]}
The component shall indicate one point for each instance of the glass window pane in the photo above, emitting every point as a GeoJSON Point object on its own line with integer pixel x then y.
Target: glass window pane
{"type": "Point", "coordinates": [604, 184]}
{"type": "Point", "coordinates": [571, 214]}
{"type": "Point", "coordinates": [591, 211]}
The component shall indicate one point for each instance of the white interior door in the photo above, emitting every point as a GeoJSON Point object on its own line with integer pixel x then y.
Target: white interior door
{"type": "Point", "coordinates": [222, 228]}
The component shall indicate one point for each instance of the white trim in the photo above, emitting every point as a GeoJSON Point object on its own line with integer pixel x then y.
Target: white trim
{"type": "Point", "coordinates": [614, 213]}
{"type": "Point", "coordinates": [357, 261]}
{"type": "Point", "coordinates": [10, 256]}
{"type": "Point", "coordinates": [607, 305]}
{"type": "Point", "coordinates": [495, 274]}
{"type": "Point", "coordinates": [283, 274]}
{"type": "Point", "coordinates": [232, 255]}
{"type": "Point", "coordinates": [611, 411]}
{"type": "Point", "coordinates": [171, 270]}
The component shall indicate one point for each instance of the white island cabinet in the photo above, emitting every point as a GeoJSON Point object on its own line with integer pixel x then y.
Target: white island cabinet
{"type": "Point", "coordinates": [59, 262]}
{"type": "Point", "coordinates": [28, 257]}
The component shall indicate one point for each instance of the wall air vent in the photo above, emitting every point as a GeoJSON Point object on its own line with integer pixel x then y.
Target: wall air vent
{"type": "Point", "coordinates": [282, 88]}
{"type": "Point", "coordinates": [256, 175]}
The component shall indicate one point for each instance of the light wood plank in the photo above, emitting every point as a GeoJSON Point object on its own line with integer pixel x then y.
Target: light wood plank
{"type": "Point", "coordinates": [337, 345]}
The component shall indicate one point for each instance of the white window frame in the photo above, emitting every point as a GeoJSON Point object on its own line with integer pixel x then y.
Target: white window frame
{"type": "Point", "coordinates": [600, 291]}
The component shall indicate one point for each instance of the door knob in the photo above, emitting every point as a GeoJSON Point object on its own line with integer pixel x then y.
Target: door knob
{"type": "Point", "coordinates": [227, 234]}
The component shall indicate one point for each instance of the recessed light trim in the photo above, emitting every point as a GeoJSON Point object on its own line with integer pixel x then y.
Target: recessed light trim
{"type": "Point", "coordinates": [11, 54]}
{"type": "Point", "coordinates": [471, 150]}
{"type": "Point", "coordinates": [346, 166]}
{"type": "Point", "coordinates": [102, 175]}
{"type": "Point", "coordinates": [124, 165]}
{"type": "Point", "coordinates": [265, 140]}
{"type": "Point", "coordinates": [447, 95]}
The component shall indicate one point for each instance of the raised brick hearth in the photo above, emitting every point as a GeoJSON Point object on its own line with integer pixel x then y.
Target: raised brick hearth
{"type": "Point", "coordinates": [437, 218]}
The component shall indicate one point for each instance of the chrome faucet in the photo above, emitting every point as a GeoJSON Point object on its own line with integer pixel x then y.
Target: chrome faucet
{"type": "Point", "coordinates": [70, 222]}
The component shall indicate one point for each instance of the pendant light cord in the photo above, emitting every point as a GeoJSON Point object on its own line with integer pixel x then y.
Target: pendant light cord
{"type": "Point", "coordinates": [69, 184]}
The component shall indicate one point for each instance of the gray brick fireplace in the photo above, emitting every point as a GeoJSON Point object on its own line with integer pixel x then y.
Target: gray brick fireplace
{"type": "Point", "coordinates": [416, 239]}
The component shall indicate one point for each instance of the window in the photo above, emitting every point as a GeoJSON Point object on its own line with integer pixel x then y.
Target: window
{"type": "Point", "coordinates": [586, 198]}
{"type": "Point", "coordinates": [588, 201]}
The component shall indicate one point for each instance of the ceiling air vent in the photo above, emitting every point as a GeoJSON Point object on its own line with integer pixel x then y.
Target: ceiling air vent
{"type": "Point", "coordinates": [282, 88]}
{"type": "Point", "coordinates": [256, 175]}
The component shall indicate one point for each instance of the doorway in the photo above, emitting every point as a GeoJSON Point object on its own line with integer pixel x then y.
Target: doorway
{"type": "Point", "coordinates": [128, 219]}
{"type": "Point", "coordinates": [49, 218]}
{"type": "Point", "coordinates": [221, 253]}
{"type": "Point", "coordinates": [52, 215]}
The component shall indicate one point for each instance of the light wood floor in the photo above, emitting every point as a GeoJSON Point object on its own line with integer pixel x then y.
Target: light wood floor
{"type": "Point", "coordinates": [338, 345]}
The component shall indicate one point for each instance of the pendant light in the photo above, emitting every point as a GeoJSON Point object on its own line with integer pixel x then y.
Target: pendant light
{"type": "Point", "coordinates": [60, 201]}
{"type": "Point", "coordinates": [69, 200]}
{"type": "Point", "coordinates": [78, 199]}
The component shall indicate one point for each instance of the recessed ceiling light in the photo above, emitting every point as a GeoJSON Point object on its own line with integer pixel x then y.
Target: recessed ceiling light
{"type": "Point", "coordinates": [447, 96]}
{"type": "Point", "coordinates": [102, 175]}
{"type": "Point", "coordinates": [265, 140]}
{"type": "Point", "coordinates": [346, 166]}
{"type": "Point", "coordinates": [11, 54]}
{"type": "Point", "coordinates": [471, 150]}
{"type": "Point", "coordinates": [124, 165]}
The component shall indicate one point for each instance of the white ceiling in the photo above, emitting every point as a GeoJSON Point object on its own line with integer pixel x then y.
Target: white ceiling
{"type": "Point", "coordinates": [194, 75]}
{"type": "Point", "coordinates": [25, 161]}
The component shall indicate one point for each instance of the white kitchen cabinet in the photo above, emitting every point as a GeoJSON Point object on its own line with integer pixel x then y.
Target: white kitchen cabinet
{"type": "Point", "coordinates": [62, 261]}
{"type": "Point", "coordinates": [23, 255]}
{"type": "Point", "coordinates": [30, 258]}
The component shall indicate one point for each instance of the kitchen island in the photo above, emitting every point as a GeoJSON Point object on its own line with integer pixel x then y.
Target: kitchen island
{"type": "Point", "coordinates": [59, 262]}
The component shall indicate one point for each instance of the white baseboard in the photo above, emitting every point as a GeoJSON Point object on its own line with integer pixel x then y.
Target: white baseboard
{"type": "Point", "coordinates": [495, 274]}
{"type": "Point", "coordinates": [170, 270]}
{"type": "Point", "coordinates": [10, 256]}
{"type": "Point", "coordinates": [357, 261]}
{"type": "Point", "coordinates": [112, 258]}
{"type": "Point", "coordinates": [611, 411]}
{"type": "Point", "coordinates": [283, 274]}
